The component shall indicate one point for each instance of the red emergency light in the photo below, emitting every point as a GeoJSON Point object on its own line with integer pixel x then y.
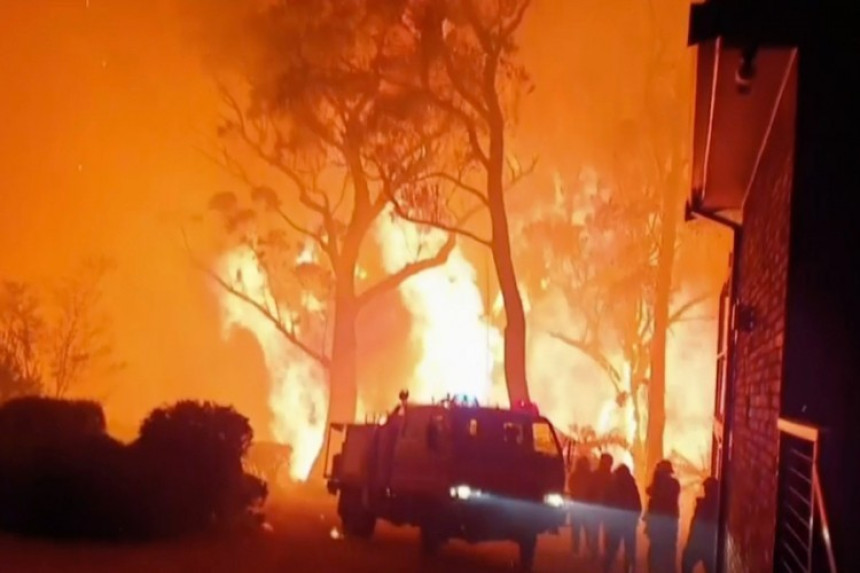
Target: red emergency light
{"type": "Point", "coordinates": [527, 406]}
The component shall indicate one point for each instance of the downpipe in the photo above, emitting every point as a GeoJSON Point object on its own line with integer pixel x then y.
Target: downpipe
{"type": "Point", "coordinates": [692, 212]}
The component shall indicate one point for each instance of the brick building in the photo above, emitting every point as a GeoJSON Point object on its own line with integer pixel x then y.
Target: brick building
{"type": "Point", "coordinates": [775, 159]}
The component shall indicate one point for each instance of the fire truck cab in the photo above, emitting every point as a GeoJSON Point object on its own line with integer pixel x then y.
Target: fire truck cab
{"type": "Point", "coordinates": [454, 469]}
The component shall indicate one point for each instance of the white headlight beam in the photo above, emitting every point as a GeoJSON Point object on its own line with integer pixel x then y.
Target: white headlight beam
{"type": "Point", "coordinates": [554, 500]}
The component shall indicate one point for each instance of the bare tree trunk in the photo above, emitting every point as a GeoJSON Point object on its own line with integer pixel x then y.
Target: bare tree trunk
{"type": "Point", "coordinates": [657, 383]}
{"type": "Point", "coordinates": [343, 385]}
{"type": "Point", "coordinates": [515, 317]}
{"type": "Point", "coordinates": [638, 451]}
{"type": "Point", "coordinates": [637, 448]}
{"type": "Point", "coordinates": [342, 372]}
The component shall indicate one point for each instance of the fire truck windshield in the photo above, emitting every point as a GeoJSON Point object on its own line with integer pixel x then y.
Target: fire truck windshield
{"type": "Point", "coordinates": [506, 434]}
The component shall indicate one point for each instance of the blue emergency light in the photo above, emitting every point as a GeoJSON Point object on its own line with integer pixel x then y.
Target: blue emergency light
{"type": "Point", "coordinates": [461, 401]}
{"type": "Point", "coordinates": [466, 400]}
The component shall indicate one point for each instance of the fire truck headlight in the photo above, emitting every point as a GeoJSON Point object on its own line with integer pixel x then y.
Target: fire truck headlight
{"type": "Point", "coordinates": [554, 500]}
{"type": "Point", "coordinates": [464, 492]}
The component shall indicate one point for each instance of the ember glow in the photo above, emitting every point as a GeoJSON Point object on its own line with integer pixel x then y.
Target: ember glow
{"type": "Point", "coordinates": [298, 393]}
{"type": "Point", "coordinates": [460, 349]}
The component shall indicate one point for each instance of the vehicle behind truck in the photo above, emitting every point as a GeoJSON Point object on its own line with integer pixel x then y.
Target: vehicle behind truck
{"type": "Point", "coordinates": [454, 469]}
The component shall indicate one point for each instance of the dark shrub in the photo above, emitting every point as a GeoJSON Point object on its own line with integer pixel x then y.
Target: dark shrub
{"type": "Point", "coordinates": [68, 489]}
{"type": "Point", "coordinates": [182, 475]}
{"type": "Point", "coordinates": [47, 449]}
{"type": "Point", "coordinates": [33, 420]}
{"type": "Point", "coordinates": [193, 454]}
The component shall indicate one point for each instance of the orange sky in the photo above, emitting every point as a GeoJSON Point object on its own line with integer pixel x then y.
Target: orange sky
{"type": "Point", "coordinates": [103, 104]}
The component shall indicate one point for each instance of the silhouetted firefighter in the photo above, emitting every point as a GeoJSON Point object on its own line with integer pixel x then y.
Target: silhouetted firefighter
{"type": "Point", "coordinates": [578, 486]}
{"type": "Point", "coordinates": [661, 519]}
{"type": "Point", "coordinates": [624, 510]}
{"type": "Point", "coordinates": [601, 480]}
{"type": "Point", "coordinates": [701, 544]}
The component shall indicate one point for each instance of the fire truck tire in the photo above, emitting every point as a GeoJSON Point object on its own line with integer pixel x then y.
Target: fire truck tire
{"type": "Point", "coordinates": [528, 548]}
{"type": "Point", "coordinates": [359, 526]}
{"type": "Point", "coordinates": [357, 521]}
{"type": "Point", "coordinates": [431, 540]}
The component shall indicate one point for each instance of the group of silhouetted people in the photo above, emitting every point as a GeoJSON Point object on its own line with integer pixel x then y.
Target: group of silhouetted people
{"type": "Point", "coordinates": [607, 506]}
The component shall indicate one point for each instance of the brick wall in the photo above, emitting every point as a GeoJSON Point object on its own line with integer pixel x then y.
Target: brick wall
{"type": "Point", "coordinates": [763, 260]}
{"type": "Point", "coordinates": [752, 471]}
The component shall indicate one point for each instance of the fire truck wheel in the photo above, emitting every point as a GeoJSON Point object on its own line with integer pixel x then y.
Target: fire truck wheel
{"type": "Point", "coordinates": [357, 521]}
{"type": "Point", "coordinates": [360, 526]}
{"type": "Point", "coordinates": [528, 547]}
{"type": "Point", "coordinates": [431, 540]}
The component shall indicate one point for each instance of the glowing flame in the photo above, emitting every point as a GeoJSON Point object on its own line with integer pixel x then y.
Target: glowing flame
{"type": "Point", "coordinates": [298, 393]}
{"type": "Point", "coordinates": [459, 347]}
{"type": "Point", "coordinates": [573, 390]}
{"type": "Point", "coordinates": [461, 353]}
{"type": "Point", "coordinates": [617, 417]}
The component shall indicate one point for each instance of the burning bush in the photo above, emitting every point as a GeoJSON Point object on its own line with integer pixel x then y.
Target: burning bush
{"type": "Point", "coordinates": [182, 475]}
{"type": "Point", "coordinates": [585, 441]}
{"type": "Point", "coordinates": [269, 461]}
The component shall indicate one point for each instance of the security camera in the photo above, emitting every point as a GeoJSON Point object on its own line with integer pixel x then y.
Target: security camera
{"type": "Point", "coordinates": [746, 71]}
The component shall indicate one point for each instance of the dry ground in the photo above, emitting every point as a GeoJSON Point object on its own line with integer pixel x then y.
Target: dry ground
{"type": "Point", "coordinates": [300, 540]}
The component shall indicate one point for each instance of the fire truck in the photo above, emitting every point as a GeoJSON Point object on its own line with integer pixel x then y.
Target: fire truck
{"type": "Point", "coordinates": [454, 469]}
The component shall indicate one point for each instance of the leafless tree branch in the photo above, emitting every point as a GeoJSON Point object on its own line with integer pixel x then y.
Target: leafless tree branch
{"type": "Point", "coordinates": [392, 281]}
{"type": "Point", "coordinates": [456, 228]}
{"type": "Point", "coordinates": [699, 318]}
{"type": "Point", "coordinates": [273, 317]}
{"type": "Point", "coordinates": [592, 352]}
{"type": "Point", "coordinates": [460, 87]}
{"type": "Point", "coordinates": [458, 182]}
{"type": "Point", "coordinates": [306, 190]}
{"type": "Point", "coordinates": [484, 38]}
{"type": "Point", "coordinates": [518, 172]}
{"type": "Point", "coordinates": [679, 312]}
